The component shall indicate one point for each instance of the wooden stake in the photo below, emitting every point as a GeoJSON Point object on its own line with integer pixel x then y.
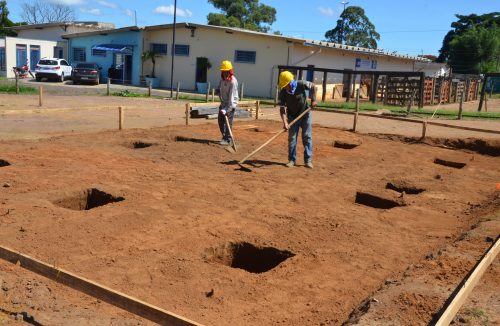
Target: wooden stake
{"type": "Point", "coordinates": [213, 94]}
{"type": "Point", "coordinates": [96, 290]}
{"type": "Point", "coordinates": [458, 297]}
{"type": "Point", "coordinates": [121, 117]}
{"type": "Point", "coordinates": [356, 114]}
{"type": "Point", "coordinates": [424, 128]}
{"type": "Point", "coordinates": [355, 122]}
{"type": "Point", "coordinates": [150, 88]}
{"type": "Point", "coordinates": [257, 110]}
{"type": "Point", "coordinates": [108, 87]}
{"type": "Point", "coordinates": [17, 82]}
{"type": "Point", "coordinates": [323, 95]}
{"type": "Point", "coordinates": [178, 87]}
{"type": "Point", "coordinates": [40, 96]}
{"type": "Point", "coordinates": [276, 96]}
{"type": "Point", "coordinates": [357, 100]}
{"type": "Point", "coordinates": [242, 90]}
{"type": "Point", "coordinates": [187, 114]}
{"type": "Point", "coordinates": [208, 92]}
{"type": "Point", "coordinates": [460, 108]}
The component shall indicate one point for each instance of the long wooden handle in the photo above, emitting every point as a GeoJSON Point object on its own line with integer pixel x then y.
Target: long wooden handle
{"type": "Point", "coordinates": [230, 132]}
{"type": "Point", "coordinates": [274, 137]}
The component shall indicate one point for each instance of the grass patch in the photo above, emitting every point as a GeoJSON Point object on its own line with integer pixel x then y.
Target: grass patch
{"type": "Point", "coordinates": [476, 313]}
{"type": "Point", "coordinates": [196, 99]}
{"type": "Point", "coordinates": [127, 93]}
{"type": "Point", "coordinates": [399, 110]}
{"type": "Point", "coordinates": [11, 88]}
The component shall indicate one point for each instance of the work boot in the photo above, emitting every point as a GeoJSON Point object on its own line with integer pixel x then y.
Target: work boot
{"type": "Point", "coordinates": [290, 164]}
{"type": "Point", "coordinates": [309, 165]}
{"type": "Point", "coordinates": [224, 142]}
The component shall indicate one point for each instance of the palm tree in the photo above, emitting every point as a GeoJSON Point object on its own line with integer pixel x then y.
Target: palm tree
{"type": "Point", "coordinates": [149, 55]}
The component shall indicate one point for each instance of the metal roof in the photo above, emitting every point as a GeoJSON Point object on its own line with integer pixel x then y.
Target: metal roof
{"type": "Point", "coordinates": [306, 42]}
{"type": "Point", "coordinates": [85, 24]}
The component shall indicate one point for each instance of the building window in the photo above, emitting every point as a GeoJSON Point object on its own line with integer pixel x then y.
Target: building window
{"type": "Point", "coordinates": [79, 55]}
{"type": "Point", "coordinates": [58, 52]}
{"type": "Point", "coordinates": [245, 56]}
{"type": "Point", "coordinates": [98, 53]}
{"type": "Point", "coordinates": [2, 59]}
{"type": "Point", "coordinates": [182, 49]}
{"type": "Point", "coordinates": [159, 48]}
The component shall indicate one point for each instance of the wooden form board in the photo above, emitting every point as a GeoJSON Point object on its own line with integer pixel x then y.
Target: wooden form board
{"type": "Point", "coordinates": [413, 121]}
{"type": "Point", "coordinates": [458, 297]}
{"type": "Point", "coordinates": [95, 290]}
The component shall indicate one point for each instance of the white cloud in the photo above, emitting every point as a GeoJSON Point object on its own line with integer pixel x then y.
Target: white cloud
{"type": "Point", "coordinates": [129, 12]}
{"type": "Point", "coordinates": [69, 2]}
{"type": "Point", "coordinates": [107, 4]}
{"type": "Point", "coordinates": [169, 10]}
{"type": "Point", "coordinates": [326, 11]}
{"type": "Point", "coordinates": [91, 11]}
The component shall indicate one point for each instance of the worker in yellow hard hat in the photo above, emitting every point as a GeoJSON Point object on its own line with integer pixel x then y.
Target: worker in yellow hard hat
{"type": "Point", "coordinates": [228, 94]}
{"type": "Point", "coordinates": [293, 101]}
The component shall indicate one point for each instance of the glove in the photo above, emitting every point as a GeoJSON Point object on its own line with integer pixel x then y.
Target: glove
{"type": "Point", "coordinates": [223, 111]}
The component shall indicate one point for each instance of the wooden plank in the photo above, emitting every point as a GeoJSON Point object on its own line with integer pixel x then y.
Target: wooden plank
{"type": "Point", "coordinates": [458, 297]}
{"type": "Point", "coordinates": [98, 291]}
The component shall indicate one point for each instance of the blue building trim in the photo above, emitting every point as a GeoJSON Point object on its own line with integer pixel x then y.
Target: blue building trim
{"type": "Point", "coordinates": [132, 39]}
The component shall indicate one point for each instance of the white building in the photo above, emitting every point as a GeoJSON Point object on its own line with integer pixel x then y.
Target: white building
{"type": "Point", "coordinates": [40, 40]}
{"type": "Point", "coordinates": [255, 56]}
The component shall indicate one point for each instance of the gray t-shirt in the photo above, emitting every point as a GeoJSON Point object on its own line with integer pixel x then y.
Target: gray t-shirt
{"type": "Point", "coordinates": [229, 93]}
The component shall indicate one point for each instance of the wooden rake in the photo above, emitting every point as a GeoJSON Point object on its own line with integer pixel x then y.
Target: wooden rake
{"type": "Point", "coordinates": [229, 149]}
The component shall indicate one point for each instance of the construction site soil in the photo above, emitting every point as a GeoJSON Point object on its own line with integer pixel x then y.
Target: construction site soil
{"type": "Point", "coordinates": [381, 231]}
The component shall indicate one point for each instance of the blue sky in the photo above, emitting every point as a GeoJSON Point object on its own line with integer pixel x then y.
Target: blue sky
{"type": "Point", "coordinates": [409, 27]}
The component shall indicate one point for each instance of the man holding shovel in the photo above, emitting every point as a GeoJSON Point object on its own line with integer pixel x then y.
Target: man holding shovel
{"type": "Point", "coordinates": [293, 101]}
{"type": "Point", "coordinates": [228, 94]}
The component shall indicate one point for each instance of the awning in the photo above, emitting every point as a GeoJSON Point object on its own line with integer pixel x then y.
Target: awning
{"type": "Point", "coordinates": [113, 47]}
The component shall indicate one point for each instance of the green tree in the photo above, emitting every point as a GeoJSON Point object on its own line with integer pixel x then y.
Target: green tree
{"type": "Point", "coordinates": [5, 21]}
{"type": "Point", "coordinates": [354, 28]}
{"type": "Point", "coordinates": [462, 25]}
{"type": "Point", "coordinates": [475, 51]}
{"type": "Point", "coordinates": [247, 14]}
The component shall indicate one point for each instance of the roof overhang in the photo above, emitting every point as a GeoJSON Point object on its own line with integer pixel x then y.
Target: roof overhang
{"type": "Point", "coordinates": [120, 48]}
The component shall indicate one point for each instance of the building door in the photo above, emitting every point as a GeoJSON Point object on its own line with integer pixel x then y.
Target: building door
{"type": "Point", "coordinates": [34, 56]}
{"type": "Point", "coordinates": [21, 55]}
{"type": "Point", "coordinates": [127, 74]}
{"type": "Point", "coordinates": [310, 73]}
{"type": "Point", "coordinates": [201, 69]}
{"type": "Point", "coordinates": [123, 68]}
{"type": "Point", "coordinates": [58, 52]}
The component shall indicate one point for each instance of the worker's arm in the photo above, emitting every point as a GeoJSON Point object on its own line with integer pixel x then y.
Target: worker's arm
{"type": "Point", "coordinates": [312, 95]}
{"type": "Point", "coordinates": [283, 117]}
{"type": "Point", "coordinates": [283, 112]}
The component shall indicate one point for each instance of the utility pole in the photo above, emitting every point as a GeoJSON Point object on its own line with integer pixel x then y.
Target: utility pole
{"type": "Point", "coordinates": [343, 22]}
{"type": "Point", "coordinates": [173, 53]}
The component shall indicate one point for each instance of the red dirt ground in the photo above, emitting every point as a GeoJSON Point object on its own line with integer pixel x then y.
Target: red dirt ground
{"type": "Point", "coordinates": [187, 205]}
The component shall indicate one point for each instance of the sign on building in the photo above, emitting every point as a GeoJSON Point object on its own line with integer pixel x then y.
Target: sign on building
{"type": "Point", "coordinates": [366, 64]}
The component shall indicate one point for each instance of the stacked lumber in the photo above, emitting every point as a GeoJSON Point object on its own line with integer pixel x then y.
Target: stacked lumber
{"type": "Point", "coordinates": [211, 112]}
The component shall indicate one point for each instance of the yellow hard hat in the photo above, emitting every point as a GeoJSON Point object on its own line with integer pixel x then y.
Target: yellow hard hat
{"type": "Point", "coordinates": [226, 65]}
{"type": "Point", "coordinates": [285, 78]}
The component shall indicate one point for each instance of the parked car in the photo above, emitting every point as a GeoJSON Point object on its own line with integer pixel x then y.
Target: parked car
{"type": "Point", "coordinates": [86, 72]}
{"type": "Point", "coordinates": [52, 68]}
